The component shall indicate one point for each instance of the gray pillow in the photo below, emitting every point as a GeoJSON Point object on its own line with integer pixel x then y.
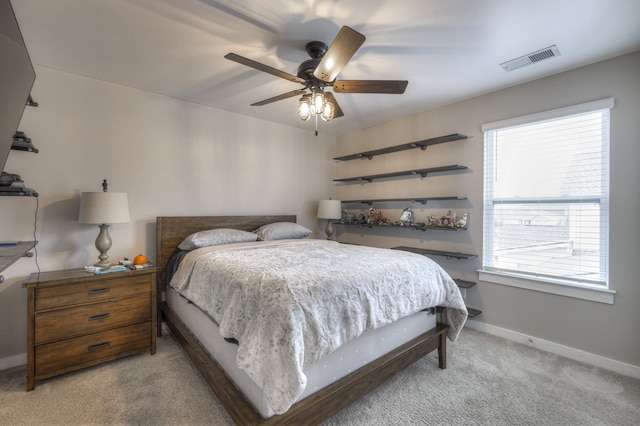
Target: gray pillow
{"type": "Point", "coordinates": [216, 237]}
{"type": "Point", "coordinates": [282, 231]}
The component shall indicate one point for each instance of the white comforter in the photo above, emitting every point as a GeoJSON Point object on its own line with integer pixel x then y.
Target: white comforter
{"type": "Point", "coordinates": [290, 302]}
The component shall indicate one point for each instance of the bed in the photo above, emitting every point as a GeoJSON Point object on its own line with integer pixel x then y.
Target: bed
{"type": "Point", "coordinates": [382, 351]}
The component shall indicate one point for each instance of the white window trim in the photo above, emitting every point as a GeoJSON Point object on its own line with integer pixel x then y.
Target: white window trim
{"type": "Point", "coordinates": [546, 285]}
{"type": "Point", "coordinates": [551, 114]}
{"type": "Point", "coordinates": [594, 294]}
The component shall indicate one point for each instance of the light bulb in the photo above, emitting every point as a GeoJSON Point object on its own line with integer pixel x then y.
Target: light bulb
{"type": "Point", "coordinates": [317, 102]}
{"type": "Point", "coordinates": [327, 112]}
{"type": "Point", "coordinates": [304, 111]}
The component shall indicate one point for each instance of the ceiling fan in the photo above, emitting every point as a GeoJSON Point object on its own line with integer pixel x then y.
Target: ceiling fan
{"type": "Point", "coordinates": [321, 71]}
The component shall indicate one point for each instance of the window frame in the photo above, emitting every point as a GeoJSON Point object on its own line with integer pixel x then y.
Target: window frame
{"type": "Point", "coordinates": [553, 285]}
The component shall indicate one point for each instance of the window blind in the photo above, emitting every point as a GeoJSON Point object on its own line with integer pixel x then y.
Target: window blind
{"type": "Point", "coordinates": [546, 195]}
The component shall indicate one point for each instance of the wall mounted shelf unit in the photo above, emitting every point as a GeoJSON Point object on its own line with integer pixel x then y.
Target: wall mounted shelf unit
{"type": "Point", "coordinates": [412, 173]}
{"type": "Point", "coordinates": [473, 312]}
{"type": "Point", "coordinates": [427, 252]}
{"type": "Point", "coordinates": [26, 148]}
{"type": "Point", "coordinates": [21, 143]}
{"type": "Point", "coordinates": [423, 144]}
{"type": "Point", "coordinates": [449, 255]}
{"type": "Point", "coordinates": [421, 200]}
{"type": "Point", "coordinates": [410, 227]}
{"type": "Point", "coordinates": [23, 192]}
{"type": "Point", "coordinates": [9, 254]}
{"type": "Point", "coordinates": [464, 283]}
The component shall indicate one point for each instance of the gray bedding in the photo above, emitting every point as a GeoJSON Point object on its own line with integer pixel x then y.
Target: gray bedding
{"type": "Point", "coordinates": [290, 302]}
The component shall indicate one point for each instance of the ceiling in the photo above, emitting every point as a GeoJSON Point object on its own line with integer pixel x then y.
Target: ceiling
{"type": "Point", "coordinates": [448, 50]}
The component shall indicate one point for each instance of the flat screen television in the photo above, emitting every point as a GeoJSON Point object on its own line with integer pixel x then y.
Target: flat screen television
{"type": "Point", "coordinates": [16, 78]}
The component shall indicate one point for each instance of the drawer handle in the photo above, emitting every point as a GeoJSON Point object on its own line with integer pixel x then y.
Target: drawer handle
{"type": "Point", "coordinates": [99, 316]}
{"type": "Point", "coordinates": [99, 290]}
{"type": "Point", "coordinates": [99, 346]}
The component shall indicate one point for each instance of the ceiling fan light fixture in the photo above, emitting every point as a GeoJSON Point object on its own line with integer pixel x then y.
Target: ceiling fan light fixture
{"type": "Point", "coordinates": [304, 108]}
{"type": "Point", "coordinates": [321, 71]}
{"type": "Point", "coordinates": [328, 111]}
{"type": "Point", "coordinates": [317, 102]}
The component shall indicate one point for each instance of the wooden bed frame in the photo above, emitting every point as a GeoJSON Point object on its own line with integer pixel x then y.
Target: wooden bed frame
{"type": "Point", "coordinates": [317, 407]}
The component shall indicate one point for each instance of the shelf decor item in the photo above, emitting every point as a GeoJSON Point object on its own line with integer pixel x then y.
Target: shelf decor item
{"type": "Point", "coordinates": [449, 220]}
{"type": "Point", "coordinates": [103, 209]}
{"type": "Point", "coordinates": [331, 210]}
{"type": "Point", "coordinates": [406, 219]}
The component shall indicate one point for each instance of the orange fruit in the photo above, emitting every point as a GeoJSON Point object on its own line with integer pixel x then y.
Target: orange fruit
{"type": "Point", "coordinates": [140, 259]}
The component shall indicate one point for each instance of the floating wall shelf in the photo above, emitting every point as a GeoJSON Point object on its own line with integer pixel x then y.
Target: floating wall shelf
{"type": "Point", "coordinates": [427, 252]}
{"type": "Point", "coordinates": [422, 200]}
{"type": "Point", "coordinates": [414, 173]}
{"type": "Point", "coordinates": [11, 253]}
{"type": "Point", "coordinates": [24, 192]}
{"type": "Point", "coordinates": [423, 144]}
{"type": "Point", "coordinates": [411, 227]}
{"type": "Point", "coordinates": [466, 285]}
{"type": "Point", "coordinates": [463, 283]}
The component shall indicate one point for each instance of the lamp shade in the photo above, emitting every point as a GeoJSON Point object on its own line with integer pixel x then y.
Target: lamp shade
{"type": "Point", "coordinates": [104, 208]}
{"type": "Point", "coordinates": [329, 209]}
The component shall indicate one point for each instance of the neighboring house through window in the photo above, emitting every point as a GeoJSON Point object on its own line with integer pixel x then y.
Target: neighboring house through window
{"type": "Point", "coordinates": [546, 201]}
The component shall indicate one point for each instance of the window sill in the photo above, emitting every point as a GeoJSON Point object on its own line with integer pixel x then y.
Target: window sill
{"type": "Point", "coordinates": [577, 292]}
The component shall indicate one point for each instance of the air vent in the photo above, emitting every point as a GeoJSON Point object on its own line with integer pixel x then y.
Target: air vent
{"type": "Point", "coordinates": [523, 61]}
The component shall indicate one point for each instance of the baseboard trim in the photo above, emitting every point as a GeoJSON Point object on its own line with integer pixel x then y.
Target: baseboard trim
{"type": "Point", "coordinates": [545, 345]}
{"type": "Point", "coordinates": [13, 361]}
{"type": "Point", "coordinates": [558, 349]}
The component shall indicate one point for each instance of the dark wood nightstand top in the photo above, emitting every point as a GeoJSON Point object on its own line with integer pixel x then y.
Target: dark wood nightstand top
{"type": "Point", "coordinates": [68, 276]}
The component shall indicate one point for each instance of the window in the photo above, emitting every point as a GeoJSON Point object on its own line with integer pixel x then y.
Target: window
{"type": "Point", "coordinates": [546, 199]}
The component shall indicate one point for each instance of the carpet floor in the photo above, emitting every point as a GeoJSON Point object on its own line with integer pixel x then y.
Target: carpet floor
{"type": "Point", "coordinates": [488, 381]}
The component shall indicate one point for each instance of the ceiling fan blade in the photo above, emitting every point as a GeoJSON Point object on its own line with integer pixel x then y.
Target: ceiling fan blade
{"type": "Point", "coordinates": [370, 86]}
{"type": "Point", "coordinates": [280, 97]}
{"type": "Point", "coordinates": [262, 67]}
{"type": "Point", "coordinates": [344, 46]}
{"type": "Point", "coordinates": [337, 111]}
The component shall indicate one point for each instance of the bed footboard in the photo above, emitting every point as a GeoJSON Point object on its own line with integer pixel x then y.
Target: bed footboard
{"type": "Point", "coordinates": [322, 404]}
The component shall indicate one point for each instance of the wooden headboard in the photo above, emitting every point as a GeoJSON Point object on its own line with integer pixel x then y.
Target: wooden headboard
{"type": "Point", "coordinates": [172, 230]}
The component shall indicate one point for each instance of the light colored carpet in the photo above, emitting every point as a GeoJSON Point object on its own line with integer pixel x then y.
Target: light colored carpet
{"type": "Point", "coordinates": [489, 381]}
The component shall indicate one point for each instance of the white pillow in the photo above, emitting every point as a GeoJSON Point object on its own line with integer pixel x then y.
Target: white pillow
{"type": "Point", "coordinates": [216, 237]}
{"type": "Point", "coordinates": [282, 231]}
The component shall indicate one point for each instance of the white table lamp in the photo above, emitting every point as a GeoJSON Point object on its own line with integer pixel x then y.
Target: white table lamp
{"type": "Point", "coordinates": [103, 209]}
{"type": "Point", "coordinates": [331, 210]}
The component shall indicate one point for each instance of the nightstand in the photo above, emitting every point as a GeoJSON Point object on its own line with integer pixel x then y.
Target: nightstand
{"type": "Point", "coordinates": [77, 319]}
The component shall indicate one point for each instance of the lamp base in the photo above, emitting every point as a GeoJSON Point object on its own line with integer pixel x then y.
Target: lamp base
{"type": "Point", "coordinates": [103, 244]}
{"type": "Point", "coordinates": [103, 265]}
{"type": "Point", "coordinates": [329, 229]}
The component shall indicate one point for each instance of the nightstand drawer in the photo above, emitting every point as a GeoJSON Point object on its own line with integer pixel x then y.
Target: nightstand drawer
{"type": "Point", "coordinates": [72, 354]}
{"type": "Point", "coordinates": [72, 322]}
{"type": "Point", "coordinates": [91, 291]}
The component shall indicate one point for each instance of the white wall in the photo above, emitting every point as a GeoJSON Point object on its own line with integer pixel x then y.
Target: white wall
{"type": "Point", "coordinates": [171, 157]}
{"type": "Point", "coordinates": [609, 331]}
{"type": "Point", "coordinates": [175, 158]}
